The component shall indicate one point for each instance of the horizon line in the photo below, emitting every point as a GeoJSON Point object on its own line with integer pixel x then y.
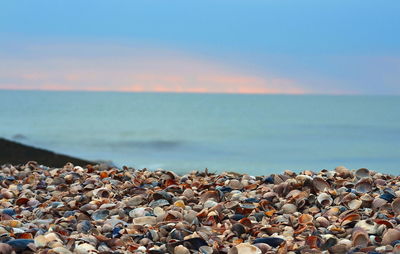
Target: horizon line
{"type": "Point", "coordinates": [191, 92]}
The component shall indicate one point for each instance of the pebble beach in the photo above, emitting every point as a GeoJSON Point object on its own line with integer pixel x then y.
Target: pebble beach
{"type": "Point", "coordinates": [101, 209]}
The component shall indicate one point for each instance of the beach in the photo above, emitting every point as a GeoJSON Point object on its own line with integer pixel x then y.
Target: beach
{"type": "Point", "coordinates": [100, 209]}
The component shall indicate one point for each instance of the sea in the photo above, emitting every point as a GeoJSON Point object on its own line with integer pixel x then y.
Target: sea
{"type": "Point", "coordinates": [246, 133]}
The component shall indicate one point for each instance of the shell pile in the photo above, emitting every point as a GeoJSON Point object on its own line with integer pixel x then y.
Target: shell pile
{"type": "Point", "coordinates": [98, 209]}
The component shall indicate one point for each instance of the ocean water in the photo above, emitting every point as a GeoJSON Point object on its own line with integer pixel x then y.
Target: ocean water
{"type": "Point", "coordinates": [255, 134]}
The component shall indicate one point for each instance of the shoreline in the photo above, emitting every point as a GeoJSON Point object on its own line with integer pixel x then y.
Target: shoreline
{"type": "Point", "coordinates": [82, 209]}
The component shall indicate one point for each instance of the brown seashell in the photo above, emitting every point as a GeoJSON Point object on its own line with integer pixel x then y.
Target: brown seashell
{"type": "Point", "coordinates": [320, 184]}
{"type": "Point", "coordinates": [21, 201]}
{"type": "Point", "coordinates": [362, 172]}
{"type": "Point", "coordinates": [391, 235]}
{"type": "Point", "coordinates": [396, 205]}
{"type": "Point", "coordinates": [360, 237]}
{"type": "Point", "coordinates": [343, 172]}
{"type": "Point", "coordinates": [350, 218]}
{"type": "Point", "coordinates": [322, 221]}
{"type": "Point", "coordinates": [305, 219]}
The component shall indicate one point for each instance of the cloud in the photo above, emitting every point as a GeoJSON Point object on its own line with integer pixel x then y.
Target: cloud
{"type": "Point", "coordinates": [133, 69]}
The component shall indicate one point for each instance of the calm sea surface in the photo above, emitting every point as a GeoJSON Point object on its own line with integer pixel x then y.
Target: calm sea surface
{"type": "Point", "coordinates": [256, 134]}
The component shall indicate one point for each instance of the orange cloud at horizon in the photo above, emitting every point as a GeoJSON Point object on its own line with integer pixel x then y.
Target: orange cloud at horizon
{"type": "Point", "coordinates": [149, 72]}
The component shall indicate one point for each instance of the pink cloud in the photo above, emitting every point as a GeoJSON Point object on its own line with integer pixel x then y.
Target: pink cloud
{"type": "Point", "coordinates": [145, 72]}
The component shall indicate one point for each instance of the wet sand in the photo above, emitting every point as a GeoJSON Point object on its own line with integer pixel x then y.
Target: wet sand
{"type": "Point", "coordinates": [99, 209]}
{"type": "Point", "coordinates": [16, 153]}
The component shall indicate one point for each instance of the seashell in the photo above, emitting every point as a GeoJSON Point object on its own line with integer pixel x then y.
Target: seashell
{"type": "Point", "coordinates": [100, 214]}
{"type": "Point", "coordinates": [159, 203]}
{"type": "Point", "coordinates": [364, 185]}
{"type": "Point", "coordinates": [360, 238]}
{"type": "Point", "coordinates": [263, 247]}
{"type": "Point", "coordinates": [362, 172]}
{"type": "Point", "coordinates": [244, 248]}
{"type": "Point", "coordinates": [305, 219]}
{"type": "Point", "coordinates": [396, 205]}
{"type": "Point", "coordinates": [354, 204]}
{"type": "Point", "coordinates": [88, 207]}
{"type": "Point", "coordinates": [391, 235]}
{"type": "Point", "coordinates": [238, 229]}
{"type": "Point", "coordinates": [85, 248]}
{"type": "Point", "coordinates": [20, 245]}
{"type": "Point", "coordinates": [234, 184]}
{"type": "Point", "coordinates": [322, 221]}
{"type": "Point", "coordinates": [350, 218]}
{"type": "Point", "coordinates": [84, 226]}
{"type": "Point", "coordinates": [387, 196]}
{"type": "Point", "coordinates": [320, 184]}
{"type": "Point", "coordinates": [289, 208]}
{"type": "Point", "coordinates": [313, 241]}
{"type": "Point", "coordinates": [180, 249]}
{"type": "Point", "coordinates": [162, 195]}
{"type": "Point", "coordinates": [343, 172]}
{"type": "Point", "coordinates": [271, 241]}
{"type": "Point", "coordinates": [209, 204]}
{"type": "Point", "coordinates": [103, 193]}
{"type": "Point", "coordinates": [135, 201]}
{"type": "Point", "coordinates": [61, 250]}
{"type": "Point", "coordinates": [21, 201]}
{"type": "Point", "coordinates": [137, 212]}
{"type": "Point", "coordinates": [145, 220]}
{"type": "Point", "coordinates": [369, 226]}
{"type": "Point", "coordinates": [206, 250]}
{"type": "Point", "coordinates": [378, 203]}
{"type": "Point", "coordinates": [6, 249]}
{"type": "Point", "coordinates": [325, 199]}
{"type": "Point", "coordinates": [212, 194]}
{"type": "Point", "coordinates": [188, 193]}
{"type": "Point", "coordinates": [179, 203]}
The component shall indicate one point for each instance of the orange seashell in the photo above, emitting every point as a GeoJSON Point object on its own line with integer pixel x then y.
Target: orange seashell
{"type": "Point", "coordinates": [270, 212]}
{"type": "Point", "coordinates": [246, 222]}
{"type": "Point", "coordinates": [103, 174]}
{"type": "Point", "coordinates": [300, 229]}
{"type": "Point", "coordinates": [305, 219]}
{"type": "Point", "coordinates": [388, 224]}
{"type": "Point", "coordinates": [237, 241]}
{"type": "Point", "coordinates": [251, 186]}
{"type": "Point", "coordinates": [25, 236]}
{"type": "Point", "coordinates": [350, 218]}
{"type": "Point", "coordinates": [313, 241]}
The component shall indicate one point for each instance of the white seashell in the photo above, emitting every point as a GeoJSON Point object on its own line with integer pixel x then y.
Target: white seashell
{"type": "Point", "coordinates": [85, 248]}
{"type": "Point", "coordinates": [244, 248]}
{"type": "Point", "coordinates": [354, 204]}
{"type": "Point", "coordinates": [145, 220]}
{"type": "Point", "coordinates": [180, 249]}
{"type": "Point", "coordinates": [325, 199]}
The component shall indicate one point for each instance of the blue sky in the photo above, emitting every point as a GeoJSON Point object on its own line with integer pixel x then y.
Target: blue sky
{"type": "Point", "coordinates": [338, 47]}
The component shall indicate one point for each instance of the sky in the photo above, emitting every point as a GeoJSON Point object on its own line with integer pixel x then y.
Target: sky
{"type": "Point", "coordinates": [249, 46]}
